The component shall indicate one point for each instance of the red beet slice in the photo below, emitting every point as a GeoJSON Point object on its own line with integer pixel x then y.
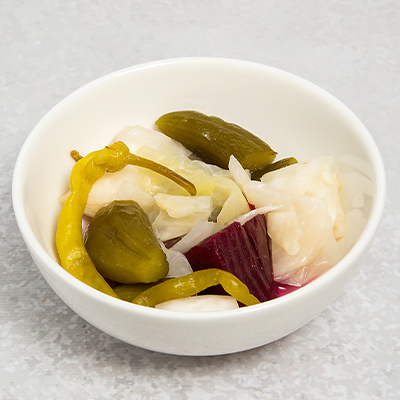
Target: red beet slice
{"type": "Point", "coordinates": [242, 250]}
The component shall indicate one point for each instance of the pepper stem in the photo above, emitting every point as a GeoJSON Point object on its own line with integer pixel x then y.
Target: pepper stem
{"type": "Point", "coordinates": [133, 159]}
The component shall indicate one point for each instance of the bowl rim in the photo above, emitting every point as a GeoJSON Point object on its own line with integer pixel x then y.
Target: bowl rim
{"type": "Point", "coordinates": [348, 260]}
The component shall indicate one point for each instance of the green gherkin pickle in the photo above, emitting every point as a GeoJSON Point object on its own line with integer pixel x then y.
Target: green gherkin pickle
{"type": "Point", "coordinates": [122, 245]}
{"type": "Point", "coordinates": [214, 140]}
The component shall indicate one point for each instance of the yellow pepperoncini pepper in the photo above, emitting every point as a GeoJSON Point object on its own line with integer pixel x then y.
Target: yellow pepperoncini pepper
{"type": "Point", "coordinates": [87, 170]}
{"type": "Point", "coordinates": [194, 283]}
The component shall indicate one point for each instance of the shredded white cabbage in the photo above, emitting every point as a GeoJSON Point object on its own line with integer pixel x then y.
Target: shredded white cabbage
{"type": "Point", "coordinates": [179, 214]}
{"type": "Point", "coordinates": [225, 196]}
{"type": "Point", "coordinates": [137, 136]}
{"type": "Point", "coordinates": [183, 206]}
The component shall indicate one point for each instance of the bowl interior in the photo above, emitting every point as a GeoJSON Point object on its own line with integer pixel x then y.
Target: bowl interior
{"type": "Point", "coordinates": [294, 116]}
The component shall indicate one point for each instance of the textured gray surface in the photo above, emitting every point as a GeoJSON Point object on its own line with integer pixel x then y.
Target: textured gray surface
{"type": "Point", "coordinates": [351, 48]}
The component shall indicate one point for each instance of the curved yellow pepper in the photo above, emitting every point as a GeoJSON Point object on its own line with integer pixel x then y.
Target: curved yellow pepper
{"type": "Point", "coordinates": [194, 283]}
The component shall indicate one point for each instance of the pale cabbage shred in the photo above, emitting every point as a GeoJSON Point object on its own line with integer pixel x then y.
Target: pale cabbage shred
{"type": "Point", "coordinates": [305, 217]}
{"type": "Point", "coordinates": [202, 303]}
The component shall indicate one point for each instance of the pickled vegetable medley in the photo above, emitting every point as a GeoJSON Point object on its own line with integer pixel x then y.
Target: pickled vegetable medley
{"type": "Point", "coordinates": [198, 215]}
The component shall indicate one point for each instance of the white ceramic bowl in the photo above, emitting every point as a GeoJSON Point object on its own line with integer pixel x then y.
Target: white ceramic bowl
{"type": "Point", "coordinates": [294, 116]}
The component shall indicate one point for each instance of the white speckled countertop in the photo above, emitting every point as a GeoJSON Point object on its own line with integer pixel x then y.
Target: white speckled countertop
{"type": "Point", "coordinates": [350, 48]}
